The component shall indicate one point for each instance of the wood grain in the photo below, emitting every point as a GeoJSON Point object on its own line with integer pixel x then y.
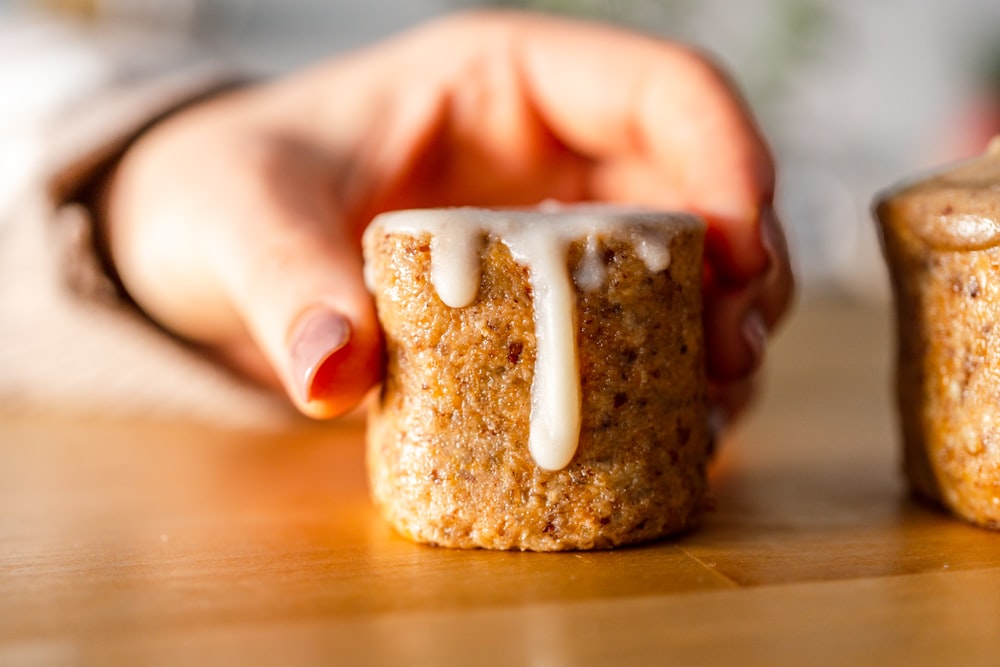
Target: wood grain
{"type": "Point", "coordinates": [123, 543]}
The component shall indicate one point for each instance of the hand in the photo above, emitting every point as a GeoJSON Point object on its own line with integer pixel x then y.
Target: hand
{"type": "Point", "coordinates": [236, 223]}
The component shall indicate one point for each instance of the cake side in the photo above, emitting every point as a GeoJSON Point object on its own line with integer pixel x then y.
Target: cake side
{"type": "Point", "coordinates": [447, 445]}
{"type": "Point", "coordinates": [947, 298]}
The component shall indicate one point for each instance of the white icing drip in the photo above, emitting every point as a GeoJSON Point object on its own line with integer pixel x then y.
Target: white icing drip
{"type": "Point", "coordinates": [591, 271]}
{"type": "Point", "coordinates": [555, 389]}
{"type": "Point", "coordinates": [652, 245]}
{"type": "Point", "coordinates": [455, 265]}
{"type": "Point", "coordinates": [538, 239]}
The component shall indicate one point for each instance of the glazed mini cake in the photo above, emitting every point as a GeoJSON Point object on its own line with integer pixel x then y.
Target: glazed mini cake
{"type": "Point", "coordinates": [545, 385]}
{"type": "Point", "coordinates": [941, 238]}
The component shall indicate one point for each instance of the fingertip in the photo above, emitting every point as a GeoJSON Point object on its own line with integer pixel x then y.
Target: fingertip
{"type": "Point", "coordinates": [778, 283]}
{"type": "Point", "coordinates": [754, 332]}
{"type": "Point", "coordinates": [772, 238]}
{"type": "Point", "coordinates": [736, 335]}
{"type": "Point", "coordinates": [730, 401]}
{"type": "Point", "coordinates": [734, 245]}
{"type": "Point", "coordinates": [340, 383]}
{"type": "Point", "coordinates": [332, 364]}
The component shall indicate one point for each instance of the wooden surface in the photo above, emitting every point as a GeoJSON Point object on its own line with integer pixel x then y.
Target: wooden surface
{"type": "Point", "coordinates": [126, 543]}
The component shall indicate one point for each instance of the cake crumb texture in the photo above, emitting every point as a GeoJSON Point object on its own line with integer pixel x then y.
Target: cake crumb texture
{"type": "Point", "coordinates": [447, 441]}
{"type": "Point", "coordinates": [941, 244]}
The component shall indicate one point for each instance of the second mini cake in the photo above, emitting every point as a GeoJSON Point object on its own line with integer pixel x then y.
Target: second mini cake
{"type": "Point", "coordinates": [941, 237]}
{"type": "Point", "coordinates": [545, 384]}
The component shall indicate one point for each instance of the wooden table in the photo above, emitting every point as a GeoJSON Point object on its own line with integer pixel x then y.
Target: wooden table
{"type": "Point", "coordinates": [123, 543]}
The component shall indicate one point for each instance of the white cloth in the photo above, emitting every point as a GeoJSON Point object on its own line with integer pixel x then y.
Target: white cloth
{"type": "Point", "coordinates": [71, 96]}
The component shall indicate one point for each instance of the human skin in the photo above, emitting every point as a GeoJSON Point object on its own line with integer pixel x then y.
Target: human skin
{"type": "Point", "coordinates": [235, 223]}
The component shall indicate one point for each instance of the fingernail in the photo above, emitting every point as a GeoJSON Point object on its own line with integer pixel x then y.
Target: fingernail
{"type": "Point", "coordinates": [754, 330]}
{"type": "Point", "coordinates": [770, 235]}
{"type": "Point", "coordinates": [317, 335]}
{"type": "Point", "coordinates": [718, 422]}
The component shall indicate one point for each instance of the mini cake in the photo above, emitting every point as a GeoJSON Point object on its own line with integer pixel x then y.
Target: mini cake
{"type": "Point", "coordinates": [545, 385]}
{"type": "Point", "coordinates": [941, 238]}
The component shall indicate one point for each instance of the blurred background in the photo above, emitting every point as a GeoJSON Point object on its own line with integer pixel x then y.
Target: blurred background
{"type": "Point", "coordinates": [853, 95]}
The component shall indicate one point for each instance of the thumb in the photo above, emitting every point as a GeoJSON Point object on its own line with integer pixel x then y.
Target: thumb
{"type": "Point", "coordinates": [233, 239]}
{"type": "Point", "coordinates": [293, 275]}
